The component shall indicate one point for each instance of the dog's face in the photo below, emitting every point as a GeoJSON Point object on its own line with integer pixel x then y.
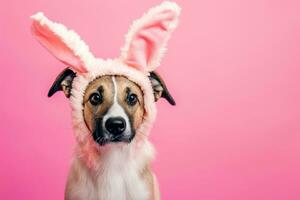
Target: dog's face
{"type": "Point", "coordinates": [113, 106]}
{"type": "Point", "coordinates": [113, 109]}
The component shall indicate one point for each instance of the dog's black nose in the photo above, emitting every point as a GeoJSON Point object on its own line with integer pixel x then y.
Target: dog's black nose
{"type": "Point", "coordinates": [115, 125]}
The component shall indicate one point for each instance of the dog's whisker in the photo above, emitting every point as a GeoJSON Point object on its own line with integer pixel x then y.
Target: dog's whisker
{"type": "Point", "coordinates": [116, 137]}
{"type": "Point", "coordinates": [98, 138]}
{"type": "Point", "coordinates": [102, 140]}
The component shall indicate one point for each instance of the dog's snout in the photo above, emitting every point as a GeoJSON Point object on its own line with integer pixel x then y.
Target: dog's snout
{"type": "Point", "coordinates": [115, 125]}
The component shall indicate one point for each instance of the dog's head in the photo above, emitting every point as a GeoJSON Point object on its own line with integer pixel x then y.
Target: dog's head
{"type": "Point", "coordinates": [112, 98]}
{"type": "Point", "coordinates": [113, 106]}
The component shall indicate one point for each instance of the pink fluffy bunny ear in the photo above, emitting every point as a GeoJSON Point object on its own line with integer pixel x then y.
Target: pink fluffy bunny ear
{"type": "Point", "coordinates": [64, 44]}
{"type": "Point", "coordinates": [147, 37]}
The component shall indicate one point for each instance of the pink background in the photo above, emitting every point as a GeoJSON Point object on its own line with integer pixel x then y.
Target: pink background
{"type": "Point", "coordinates": [232, 66]}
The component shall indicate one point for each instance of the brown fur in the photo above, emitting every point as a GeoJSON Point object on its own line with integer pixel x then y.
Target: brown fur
{"type": "Point", "coordinates": [150, 180]}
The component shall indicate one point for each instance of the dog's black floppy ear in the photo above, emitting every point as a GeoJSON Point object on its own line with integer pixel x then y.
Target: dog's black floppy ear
{"type": "Point", "coordinates": [160, 89]}
{"type": "Point", "coordinates": [63, 83]}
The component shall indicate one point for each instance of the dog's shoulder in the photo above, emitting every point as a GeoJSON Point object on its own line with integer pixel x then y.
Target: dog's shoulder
{"type": "Point", "coordinates": [79, 184]}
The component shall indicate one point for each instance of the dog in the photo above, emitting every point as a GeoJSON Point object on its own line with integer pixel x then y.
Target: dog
{"type": "Point", "coordinates": [113, 105]}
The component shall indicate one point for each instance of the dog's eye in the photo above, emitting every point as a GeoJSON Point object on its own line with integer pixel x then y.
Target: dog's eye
{"type": "Point", "coordinates": [131, 99]}
{"type": "Point", "coordinates": [96, 99]}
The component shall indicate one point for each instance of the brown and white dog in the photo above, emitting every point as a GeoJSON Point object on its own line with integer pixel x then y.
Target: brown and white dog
{"type": "Point", "coordinates": [112, 106]}
{"type": "Point", "coordinates": [113, 111]}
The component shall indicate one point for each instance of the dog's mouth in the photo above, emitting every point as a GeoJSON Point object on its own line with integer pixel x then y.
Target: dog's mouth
{"type": "Point", "coordinates": [102, 136]}
{"type": "Point", "coordinates": [105, 140]}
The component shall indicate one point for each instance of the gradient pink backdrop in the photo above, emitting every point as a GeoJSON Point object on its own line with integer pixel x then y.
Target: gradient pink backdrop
{"type": "Point", "coordinates": [232, 66]}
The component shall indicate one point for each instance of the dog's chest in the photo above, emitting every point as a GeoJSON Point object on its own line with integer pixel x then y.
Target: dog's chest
{"type": "Point", "coordinates": [124, 184]}
{"type": "Point", "coordinates": [120, 179]}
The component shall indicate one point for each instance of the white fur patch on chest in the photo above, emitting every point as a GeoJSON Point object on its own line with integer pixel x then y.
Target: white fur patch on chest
{"type": "Point", "coordinates": [119, 179]}
{"type": "Point", "coordinates": [121, 186]}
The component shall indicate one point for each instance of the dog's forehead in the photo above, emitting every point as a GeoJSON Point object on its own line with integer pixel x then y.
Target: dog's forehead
{"type": "Point", "coordinates": [126, 85]}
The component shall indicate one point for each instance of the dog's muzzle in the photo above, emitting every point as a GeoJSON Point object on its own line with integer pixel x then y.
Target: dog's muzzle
{"type": "Point", "coordinates": [113, 129]}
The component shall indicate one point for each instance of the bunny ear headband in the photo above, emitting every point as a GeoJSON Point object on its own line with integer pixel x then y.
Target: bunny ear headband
{"type": "Point", "coordinates": [144, 47]}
